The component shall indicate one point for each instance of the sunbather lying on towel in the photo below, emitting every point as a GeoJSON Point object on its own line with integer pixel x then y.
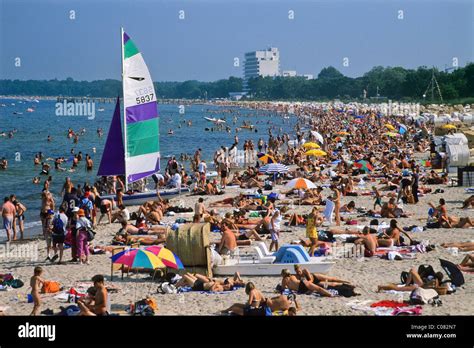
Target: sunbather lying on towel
{"type": "Point", "coordinates": [413, 281]}
{"type": "Point", "coordinates": [143, 229]}
{"type": "Point", "coordinates": [467, 264]}
{"type": "Point", "coordinates": [462, 246]}
{"type": "Point", "coordinates": [318, 278]}
{"type": "Point", "coordinates": [302, 286]}
{"type": "Point", "coordinates": [199, 282]}
{"type": "Point", "coordinates": [254, 306]}
{"type": "Point", "coordinates": [468, 203]}
{"type": "Point", "coordinates": [123, 238]}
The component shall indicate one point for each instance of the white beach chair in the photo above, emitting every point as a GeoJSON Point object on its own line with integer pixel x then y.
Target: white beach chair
{"type": "Point", "coordinates": [263, 247]}
{"type": "Point", "coordinates": [329, 211]}
{"type": "Point", "coordinates": [262, 258]}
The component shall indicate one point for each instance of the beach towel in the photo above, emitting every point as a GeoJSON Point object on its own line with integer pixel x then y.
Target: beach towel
{"type": "Point", "coordinates": [329, 210]}
{"type": "Point", "coordinates": [184, 289]}
{"type": "Point", "coordinates": [389, 303]}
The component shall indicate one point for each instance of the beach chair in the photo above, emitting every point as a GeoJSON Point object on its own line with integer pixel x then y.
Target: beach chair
{"type": "Point", "coordinates": [114, 266]}
{"type": "Point", "coordinates": [329, 211]}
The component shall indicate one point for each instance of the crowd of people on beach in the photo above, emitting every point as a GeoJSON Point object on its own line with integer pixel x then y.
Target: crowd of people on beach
{"type": "Point", "coordinates": [359, 157]}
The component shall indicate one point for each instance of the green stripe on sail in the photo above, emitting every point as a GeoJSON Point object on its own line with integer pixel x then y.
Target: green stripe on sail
{"type": "Point", "coordinates": [130, 49]}
{"type": "Point", "coordinates": [142, 137]}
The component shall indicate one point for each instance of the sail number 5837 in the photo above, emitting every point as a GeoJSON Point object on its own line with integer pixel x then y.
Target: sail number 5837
{"type": "Point", "coordinates": [144, 98]}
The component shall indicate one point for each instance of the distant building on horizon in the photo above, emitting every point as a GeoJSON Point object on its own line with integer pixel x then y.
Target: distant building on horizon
{"type": "Point", "coordinates": [261, 63]}
{"type": "Point", "coordinates": [288, 73]}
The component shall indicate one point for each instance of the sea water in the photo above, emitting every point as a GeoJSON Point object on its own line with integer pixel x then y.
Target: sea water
{"type": "Point", "coordinates": [33, 129]}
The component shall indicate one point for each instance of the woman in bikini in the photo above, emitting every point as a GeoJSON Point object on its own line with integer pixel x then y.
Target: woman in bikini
{"type": "Point", "coordinates": [254, 306]}
{"type": "Point", "coordinates": [318, 278]}
{"type": "Point", "coordinates": [391, 237]}
{"type": "Point", "coordinates": [301, 286]}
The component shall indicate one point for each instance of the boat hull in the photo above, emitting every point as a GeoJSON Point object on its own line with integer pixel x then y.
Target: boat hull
{"type": "Point", "coordinates": [270, 269]}
{"type": "Point", "coordinates": [140, 198]}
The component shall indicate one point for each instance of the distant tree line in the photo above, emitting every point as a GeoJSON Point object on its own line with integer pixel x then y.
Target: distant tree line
{"type": "Point", "coordinates": [394, 83]}
{"type": "Point", "coordinates": [391, 82]}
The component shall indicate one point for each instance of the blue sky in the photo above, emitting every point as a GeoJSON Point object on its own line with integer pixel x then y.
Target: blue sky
{"type": "Point", "coordinates": [204, 44]}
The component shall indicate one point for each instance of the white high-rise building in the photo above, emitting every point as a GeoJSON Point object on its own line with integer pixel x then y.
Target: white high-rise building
{"type": "Point", "coordinates": [261, 63]}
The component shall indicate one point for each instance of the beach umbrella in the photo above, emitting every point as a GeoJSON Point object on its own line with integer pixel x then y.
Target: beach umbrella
{"type": "Point", "coordinates": [343, 133]}
{"type": "Point", "coordinates": [138, 258]}
{"type": "Point", "coordinates": [300, 183]}
{"type": "Point", "coordinates": [453, 272]}
{"type": "Point", "coordinates": [265, 158]}
{"type": "Point", "coordinates": [274, 168]}
{"type": "Point", "coordinates": [311, 146]}
{"type": "Point", "coordinates": [392, 134]}
{"type": "Point", "coordinates": [389, 126]}
{"type": "Point", "coordinates": [316, 152]}
{"type": "Point", "coordinates": [363, 164]}
{"type": "Point", "coordinates": [166, 256]}
{"type": "Point", "coordinates": [318, 136]}
{"type": "Point", "coordinates": [449, 126]}
{"type": "Point", "coordinates": [402, 129]}
{"type": "Point", "coordinates": [358, 117]}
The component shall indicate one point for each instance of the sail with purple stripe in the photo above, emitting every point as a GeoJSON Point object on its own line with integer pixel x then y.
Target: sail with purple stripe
{"type": "Point", "coordinates": [142, 149]}
{"type": "Point", "coordinates": [112, 162]}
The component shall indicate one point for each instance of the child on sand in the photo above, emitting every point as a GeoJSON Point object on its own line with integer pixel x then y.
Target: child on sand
{"type": "Point", "coordinates": [378, 198]}
{"type": "Point", "coordinates": [36, 282]}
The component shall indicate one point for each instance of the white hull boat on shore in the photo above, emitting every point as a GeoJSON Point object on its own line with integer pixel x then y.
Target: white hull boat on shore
{"type": "Point", "coordinates": [265, 263]}
{"type": "Point", "coordinates": [249, 268]}
{"type": "Point", "coordinates": [139, 198]}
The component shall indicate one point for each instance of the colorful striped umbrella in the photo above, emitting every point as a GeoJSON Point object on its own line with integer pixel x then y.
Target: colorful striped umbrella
{"type": "Point", "coordinates": [301, 183]}
{"type": "Point", "coordinates": [265, 158]}
{"type": "Point", "coordinates": [316, 152]}
{"type": "Point", "coordinates": [363, 164]}
{"type": "Point", "coordinates": [392, 134]}
{"type": "Point", "coordinates": [274, 168]}
{"type": "Point", "coordinates": [311, 145]}
{"type": "Point", "coordinates": [166, 256]}
{"type": "Point", "coordinates": [138, 258]}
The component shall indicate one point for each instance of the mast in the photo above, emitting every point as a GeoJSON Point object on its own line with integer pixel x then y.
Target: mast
{"type": "Point", "coordinates": [125, 147]}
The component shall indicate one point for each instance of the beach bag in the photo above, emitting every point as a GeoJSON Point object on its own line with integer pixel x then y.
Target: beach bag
{"type": "Point", "coordinates": [50, 287]}
{"type": "Point", "coordinates": [58, 225]}
{"type": "Point", "coordinates": [90, 234]}
{"type": "Point", "coordinates": [423, 296]}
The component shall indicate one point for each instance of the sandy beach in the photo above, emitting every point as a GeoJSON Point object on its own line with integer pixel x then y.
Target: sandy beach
{"type": "Point", "coordinates": [365, 273]}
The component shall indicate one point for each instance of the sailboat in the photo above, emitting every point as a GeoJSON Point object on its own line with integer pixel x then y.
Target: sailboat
{"type": "Point", "coordinates": [132, 148]}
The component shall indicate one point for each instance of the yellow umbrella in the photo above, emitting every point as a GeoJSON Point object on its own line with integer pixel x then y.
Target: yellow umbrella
{"type": "Point", "coordinates": [316, 152]}
{"type": "Point", "coordinates": [449, 126]}
{"type": "Point", "coordinates": [311, 146]}
{"type": "Point", "coordinates": [389, 126]}
{"type": "Point", "coordinates": [267, 159]}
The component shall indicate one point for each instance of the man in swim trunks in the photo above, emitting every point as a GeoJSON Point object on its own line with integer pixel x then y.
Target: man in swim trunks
{"type": "Point", "coordinates": [8, 214]}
